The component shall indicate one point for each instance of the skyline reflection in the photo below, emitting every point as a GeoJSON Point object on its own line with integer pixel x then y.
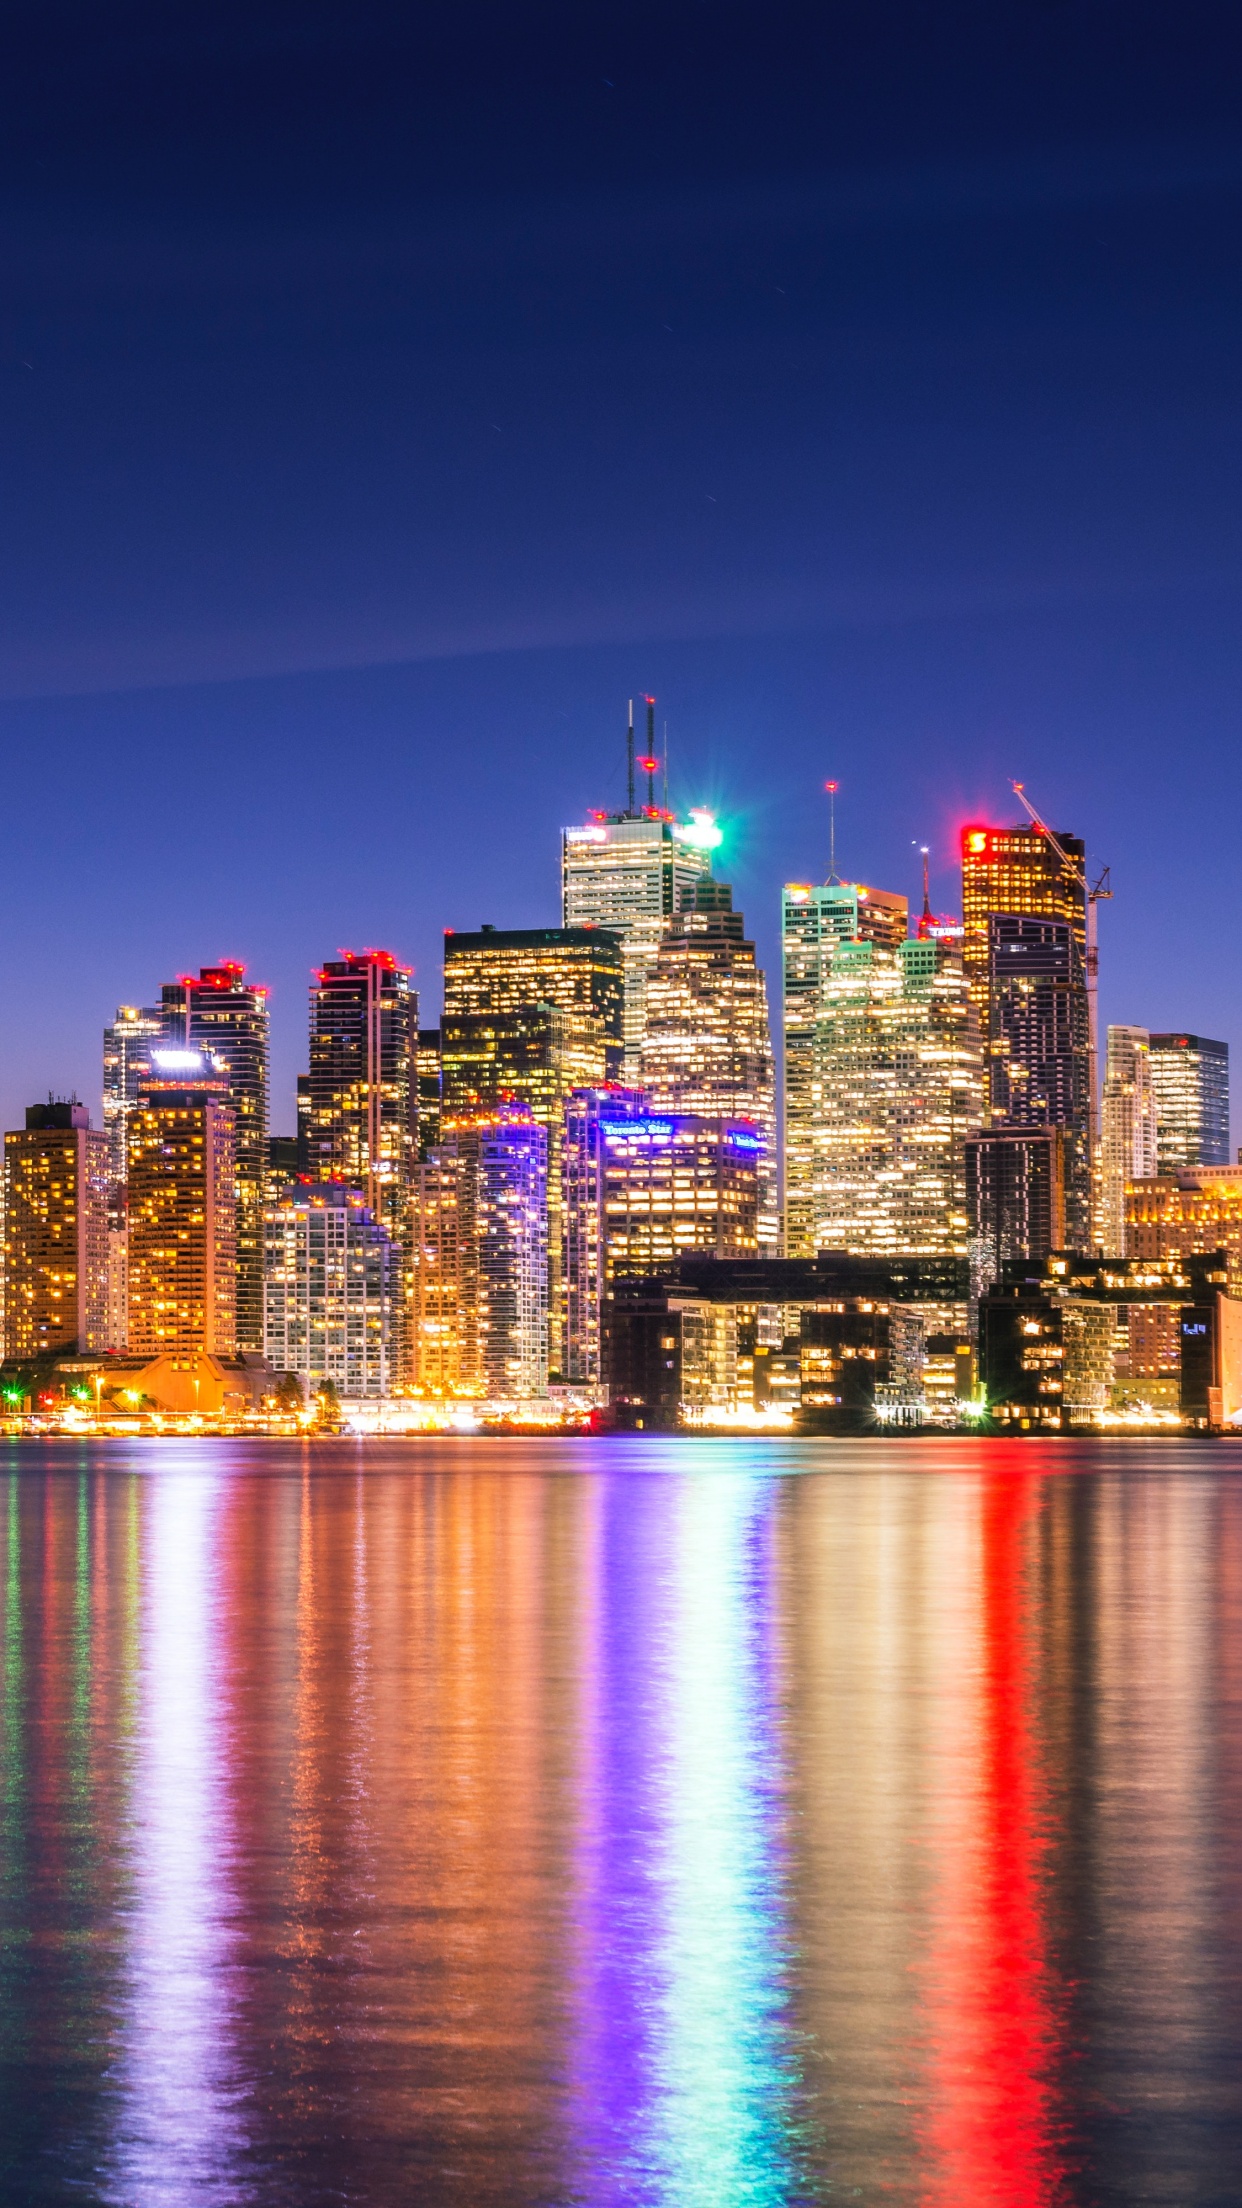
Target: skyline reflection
{"type": "Point", "coordinates": [654, 1822]}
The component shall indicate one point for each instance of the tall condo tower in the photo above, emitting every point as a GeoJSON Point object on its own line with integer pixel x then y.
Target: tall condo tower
{"type": "Point", "coordinates": [1128, 1129]}
{"type": "Point", "coordinates": [815, 917]}
{"type": "Point", "coordinates": [219, 1013]}
{"type": "Point", "coordinates": [333, 1277]}
{"type": "Point", "coordinates": [530, 1014]}
{"type": "Point", "coordinates": [361, 1117]}
{"type": "Point", "coordinates": [127, 1047]}
{"type": "Point", "coordinates": [707, 1045]}
{"type": "Point", "coordinates": [1024, 912]}
{"type": "Point", "coordinates": [630, 872]}
{"type": "Point", "coordinates": [182, 1211]}
{"type": "Point", "coordinates": [55, 1232]}
{"type": "Point", "coordinates": [482, 1264]}
{"type": "Point", "coordinates": [1190, 1079]}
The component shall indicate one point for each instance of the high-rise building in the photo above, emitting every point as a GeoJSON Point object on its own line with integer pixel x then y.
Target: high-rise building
{"type": "Point", "coordinates": [530, 1014]}
{"type": "Point", "coordinates": [814, 918]}
{"type": "Point", "coordinates": [1039, 1046]}
{"type": "Point", "coordinates": [363, 1081]}
{"type": "Point", "coordinates": [630, 872]}
{"type": "Point", "coordinates": [282, 1170]}
{"type": "Point", "coordinates": [428, 1090]}
{"type": "Point", "coordinates": [481, 1272]}
{"type": "Point", "coordinates": [127, 1047]}
{"type": "Point", "coordinates": [182, 1211]}
{"type": "Point", "coordinates": [219, 1013]}
{"type": "Point", "coordinates": [1016, 871]}
{"type": "Point", "coordinates": [1128, 1130]}
{"type": "Point", "coordinates": [1015, 1197]}
{"type": "Point", "coordinates": [332, 1278]}
{"type": "Point", "coordinates": [642, 1188]}
{"type": "Point", "coordinates": [56, 1176]}
{"type": "Point", "coordinates": [1190, 1078]}
{"type": "Point", "coordinates": [707, 1044]}
{"type": "Point", "coordinates": [896, 1089]}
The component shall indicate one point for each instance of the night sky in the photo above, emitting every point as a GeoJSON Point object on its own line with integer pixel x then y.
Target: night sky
{"type": "Point", "coordinates": [389, 393]}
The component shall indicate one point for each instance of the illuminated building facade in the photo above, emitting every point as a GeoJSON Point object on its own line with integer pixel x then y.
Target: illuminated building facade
{"type": "Point", "coordinates": [332, 1281]}
{"type": "Point", "coordinates": [1015, 1197]}
{"type": "Point", "coordinates": [642, 1187]}
{"type": "Point", "coordinates": [815, 917]}
{"type": "Point", "coordinates": [707, 1045]}
{"type": "Point", "coordinates": [428, 1090]}
{"type": "Point", "coordinates": [1039, 1046]}
{"type": "Point", "coordinates": [896, 1089]}
{"type": "Point", "coordinates": [629, 873]}
{"type": "Point", "coordinates": [530, 1014]}
{"type": "Point", "coordinates": [182, 1213]}
{"type": "Point", "coordinates": [1176, 1216]}
{"type": "Point", "coordinates": [218, 1013]}
{"type": "Point", "coordinates": [56, 1180]}
{"type": "Point", "coordinates": [1128, 1130]}
{"type": "Point", "coordinates": [1190, 1078]}
{"type": "Point", "coordinates": [1015, 871]}
{"type": "Point", "coordinates": [481, 1271]}
{"type": "Point", "coordinates": [358, 1116]}
{"type": "Point", "coordinates": [127, 1047]}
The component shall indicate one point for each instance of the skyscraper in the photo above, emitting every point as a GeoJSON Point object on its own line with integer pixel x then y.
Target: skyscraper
{"type": "Point", "coordinates": [182, 1211]}
{"type": "Point", "coordinates": [127, 1047]}
{"type": "Point", "coordinates": [55, 1232]}
{"type": "Point", "coordinates": [1015, 1197]}
{"type": "Point", "coordinates": [814, 918]}
{"type": "Point", "coordinates": [707, 1045]}
{"type": "Point", "coordinates": [630, 872]}
{"type": "Point", "coordinates": [219, 1013]}
{"type": "Point", "coordinates": [1190, 1079]}
{"type": "Point", "coordinates": [428, 1090]}
{"type": "Point", "coordinates": [1016, 871]}
{"type": "Point", "coordinates": [1128, 1130]}
{"type": "Point", "coordinates": [332, 1281]}
{"type": "Point", "coordinates": [896, 1088]}
{"type": "Point", "coordinates": [1039, 1057]}
{"type": "Point", "coordinates": [481, 1271]}
{"type": "Point", "coordinates": [530, 1014]}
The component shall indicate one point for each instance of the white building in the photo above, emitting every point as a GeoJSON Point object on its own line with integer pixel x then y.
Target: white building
{"type": "Point", "coordinates": [630, 872]}
{"type": "Point", "coordinates": [331, 1282]}
{"type": "Point", "coordinates": [1127, 1129]}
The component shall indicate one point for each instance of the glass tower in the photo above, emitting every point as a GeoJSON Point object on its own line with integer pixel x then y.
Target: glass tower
{"type": "Point", "coordinates": [630, 872]}
{"type": "Point", "coordinates": [1190, 1078]}
{"type": "Point", "coordinates": [219, 1013]}
{"type": "Point", "coordinates": [481, 1269]}
{"type": "Point", "coordinates": [1128, 1129]}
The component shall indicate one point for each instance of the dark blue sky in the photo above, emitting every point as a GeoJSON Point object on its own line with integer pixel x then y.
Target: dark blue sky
{"type": "Point", "coordinates": [388, 393]}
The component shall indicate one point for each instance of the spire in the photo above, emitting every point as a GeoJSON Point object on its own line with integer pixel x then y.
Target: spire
{"type": "Point", "coordinates": [832, 788]}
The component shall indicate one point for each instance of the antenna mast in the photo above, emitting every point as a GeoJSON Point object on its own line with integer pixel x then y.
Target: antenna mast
{"type": "Point", "coordinates": [832, 788]}
{"type": "Point", "coordinates": [629, 765]}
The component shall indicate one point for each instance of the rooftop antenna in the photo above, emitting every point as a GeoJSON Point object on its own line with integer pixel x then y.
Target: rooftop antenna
{"type": "Point", "coordinates": [832, 788]}
{"type": "Point", "coordinates": [629, 765]}
{"type": "Point", "coordinates": [927, 911]}
{"type": "Point", "coordinates": [650, 763]}
{"type": "Point", "coordinates": [666, 770]}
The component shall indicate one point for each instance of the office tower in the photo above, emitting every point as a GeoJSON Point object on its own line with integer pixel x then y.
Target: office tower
{"type": "Point", "coordinates": [530, 1014]}
{"type": "Point", "coordinates": [1016, 871]}
{"type": "Point", "coordinates": [127, 1047]}
{"type": "Point", "coordinates": [363, 1100]}
{"type": "Point", "coordinates": [481, 1271]}
{"type": "Point", "coordinates": [814, 918]}
{"type": "Point", "coordinates": [1190, 1077]}
{"type": "Point", "coordinates": [1128, 1130]}
{"type": "Point", "coordinates": [332, 1278]}
{"type": "Point", "coordinates": [182, 1211]}
{"type": "Point", "coordinates": [428, 1090]}
{"type": "Point", "coordinates": [630, 872]}
{"type": "Point", "coordinates": [282, 1172]}
{"type": "Point", "coordinates": [896, 1087]}
{"type": "Point", "coordinates": [1015, 1197]}
{"type": "Point", "coordinates": [218, 1013]}
{"type": "Point", "coordinates": [1039, 1049]}
{"type": "Point", "coordinates": [707, 1047]}
{"type": "Point", "coordinates": [642, 1187]}
{"type": "Point", "coordinates": [56, 1173]}
{"type": "Point", "coordinates": [1191, 1212]}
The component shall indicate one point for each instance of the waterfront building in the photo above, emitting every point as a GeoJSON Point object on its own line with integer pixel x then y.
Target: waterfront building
{"type": "Point", "coordinates": [707, 1045]}
{"type": "Point", "coordinates": [1016, 871]}
{"type": "Point", "coordinates": [56, 1179]}
{"type": "Point", "coordinates": [182, 1211]}
{"type": "Point", "coordinates": [630, 873]}
{"type": "Point", "coordinates": [592, 1117]}
{"type": "Point", "coordinates": [815, 917]}
{"type": "Point", "coordinates": [1039, 1046]}
{"type": "Point", "coordinates": [1128, 1130]}
{"type": "Point", "coordinates": [1190, 1079]}
{"type": "Point", "coordinates": [1192, 1212]}
{"type": "Point", "coordinates": [896, 1088]}
{"type": "Point", "coordinates": [127, 1046]}
{"type": "Point", "coordinates": [530, 1014]}
{"type": "Point", "coordinates": [220, 1014]}
{"type": "Point", "coordinates": [481, 1270]}
{"type": "Point", "coordinates": [332, 1279]}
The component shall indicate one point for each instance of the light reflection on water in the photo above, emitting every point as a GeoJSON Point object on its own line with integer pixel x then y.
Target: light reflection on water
{"type": "Point", "coordinates": [656, 1822]}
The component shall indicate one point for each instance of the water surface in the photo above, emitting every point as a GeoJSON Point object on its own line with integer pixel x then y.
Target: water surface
{"type": "Point", "coordinates": [633, 1821]}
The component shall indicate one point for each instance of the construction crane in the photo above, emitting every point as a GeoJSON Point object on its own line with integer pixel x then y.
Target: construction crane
{"type": "Point", "coordinates": [1093, 894]}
